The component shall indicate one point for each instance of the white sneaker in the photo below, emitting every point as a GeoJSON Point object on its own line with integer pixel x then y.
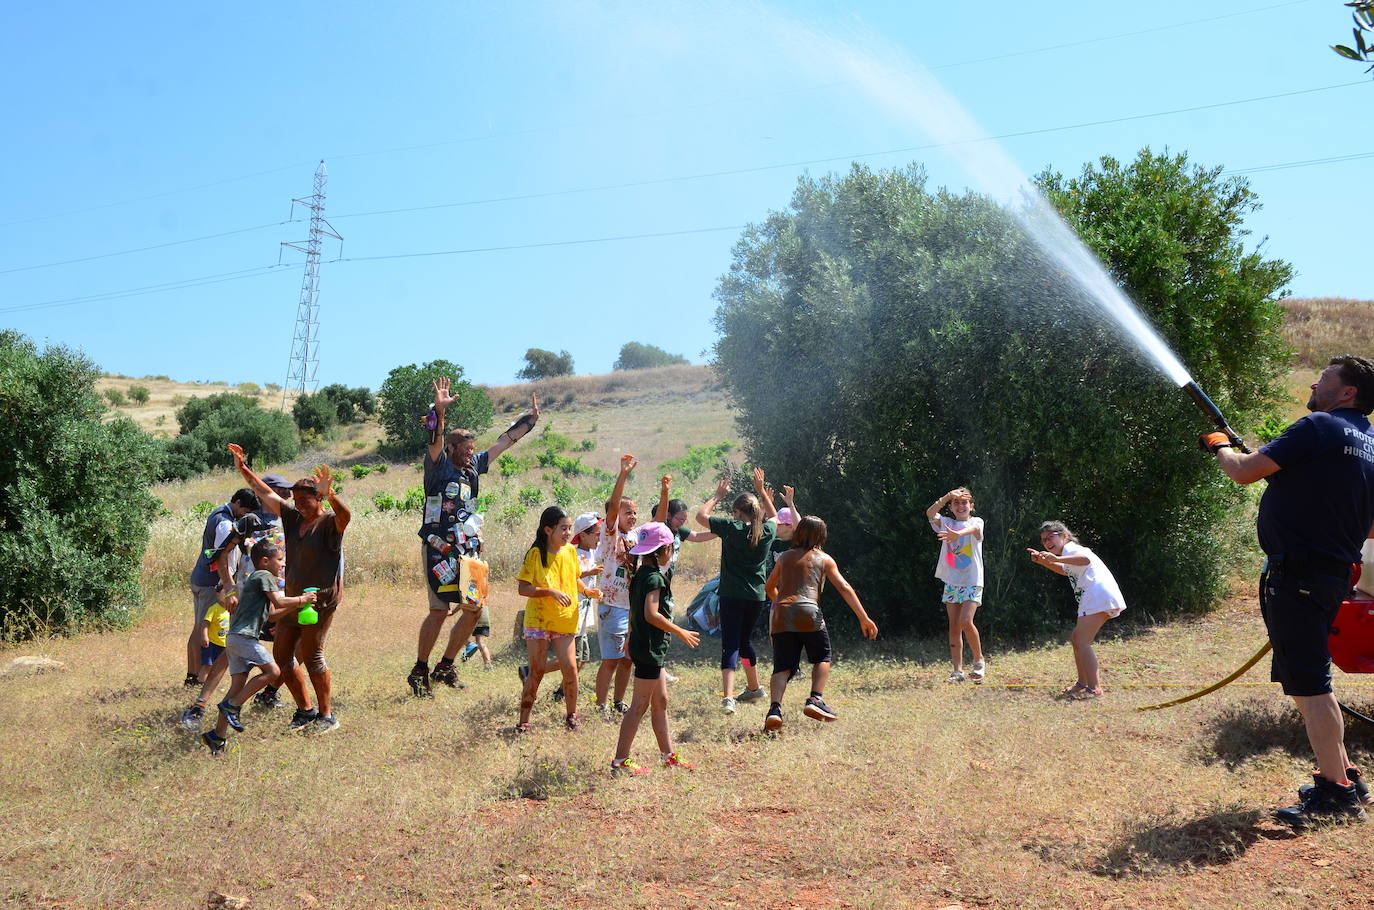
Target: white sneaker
{"type": "Point", "coordinates": [727, 704]}
{"type": "Point", "coordinates": [669, 677]}
{"type": "Point", "coordinates": [979, 671]}
{"type": "Point", "coordinates": [955, 676]}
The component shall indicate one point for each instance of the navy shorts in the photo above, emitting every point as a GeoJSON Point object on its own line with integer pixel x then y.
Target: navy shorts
{"type": "Point", "coordinates": [1298, 611]}
{"type": "Point", "coordinates": [210, 653]}
{"type": "Point", "coordinates": [788, 647]}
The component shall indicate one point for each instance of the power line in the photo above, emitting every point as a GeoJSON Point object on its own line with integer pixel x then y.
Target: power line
{"type": "Point", "coordinates": [141, 249]}
{"type": "Point", "coordinates": [830, 160]}
{"type": "Point", "coordinates": [527, 131]}
{"type": "Point", "coordinates": [218, 278]}
{"type": "Point", "coordinates": [1287, 165]}
{"type": "Point", "coordinates": [532, 246]}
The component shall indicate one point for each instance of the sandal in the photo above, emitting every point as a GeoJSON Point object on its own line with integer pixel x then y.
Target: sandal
{"type": "Point", "coordinates": [1080, 692]}
{"type": "Point", "coordinates": [522, 729]}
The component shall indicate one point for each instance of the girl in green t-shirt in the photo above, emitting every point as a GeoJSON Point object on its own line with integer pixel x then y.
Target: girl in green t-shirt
{"type": "Point", "coordinates": [651, 622]}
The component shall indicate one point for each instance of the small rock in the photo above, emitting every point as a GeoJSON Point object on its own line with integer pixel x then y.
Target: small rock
{"type": "Point", "coordinates": [31, 666]}
{"type": "Point", "coordinates": [216, 901]}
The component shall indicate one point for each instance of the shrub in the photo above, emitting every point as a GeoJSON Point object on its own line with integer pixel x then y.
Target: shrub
{"type": "Point", "coordinates": [550, 441]}
{"type": "Point", "coordinates": [114, 397]}
{"type": "Point", "coordinates": [209, 424]}
{"type": "Point", "coordinates": [511, 466]}
{"type": "Point", "coordinates": [139, 394]}
{"type": "Point", "coordinates": [541, 364]}
{"type": "Point", "coordinates": [636, 356]}
{"type": "Point", "coordinates": [563, 492]}
{"type": "Point", "coordinates": [350, 405]}
{"type": "Point", "coordinates": [74, 502]}
{"type": "Point", "coordinates": [699, 460]}
{"type": "Point", "coordinates": [412, 501]}
{"type": "Point", "coordinates": [511, 515]}
{"type": "Point", "coordinates": [407, 394]}
{"type": "Point", "coordinates": [530, 496]}
{"type": "Point", "coordinates": [251, 389]}
{"type": "Point", "coordinates": [1007, 382]}
{"type": "Point", "coordinates": [314, 411]}
{"type": "Point", "coordinates": [586, 445]}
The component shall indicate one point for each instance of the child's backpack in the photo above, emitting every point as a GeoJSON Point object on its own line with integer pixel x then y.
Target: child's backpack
{"type": "Point", "coordinates": [704, 611]}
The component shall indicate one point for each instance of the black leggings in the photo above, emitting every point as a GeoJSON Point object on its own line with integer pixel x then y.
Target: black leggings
{"type": "Point", "coordinates": [737, 621]}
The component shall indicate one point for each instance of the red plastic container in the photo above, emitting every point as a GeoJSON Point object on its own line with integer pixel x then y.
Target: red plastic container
{"type": "Point", "coordinates": [1352, 635]}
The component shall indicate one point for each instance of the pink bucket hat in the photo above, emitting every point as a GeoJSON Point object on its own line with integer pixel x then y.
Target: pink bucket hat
{"type": "Point", "coordinates": [786, 516]}
{"type": "Point", "coordinates": [652, 537]}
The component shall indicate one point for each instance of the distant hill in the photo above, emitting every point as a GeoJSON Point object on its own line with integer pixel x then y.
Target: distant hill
{"type": "Point", "coordinates": [1322, 327]}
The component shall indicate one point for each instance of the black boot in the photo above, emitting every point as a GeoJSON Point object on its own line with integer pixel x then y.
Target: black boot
{"type": "Point", "coordinates": [1324, 804]}
{"type": "Point", "coordinates": [419, 680]}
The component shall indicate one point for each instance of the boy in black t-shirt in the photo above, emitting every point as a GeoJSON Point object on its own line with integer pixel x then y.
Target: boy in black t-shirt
{"type": "Point", "coordinates": [259, 603]}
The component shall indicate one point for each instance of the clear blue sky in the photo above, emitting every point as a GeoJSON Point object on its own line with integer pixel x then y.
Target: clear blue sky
{"type": "Point", "coordinates": [130, 126]}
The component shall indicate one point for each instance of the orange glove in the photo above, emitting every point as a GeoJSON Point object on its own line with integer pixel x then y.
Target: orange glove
{"type": "Point", "coordinates": [1213, 442]}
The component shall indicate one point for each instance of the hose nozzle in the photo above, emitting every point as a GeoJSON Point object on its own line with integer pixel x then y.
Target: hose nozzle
{"type": "Point", "coordinates": [1214, 414]}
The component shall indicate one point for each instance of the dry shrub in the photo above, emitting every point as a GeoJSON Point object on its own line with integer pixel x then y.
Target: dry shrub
{"type": "Point", "coordinates": [544, 775]}
{"type": "Point", "coordinates": [1322, 327]}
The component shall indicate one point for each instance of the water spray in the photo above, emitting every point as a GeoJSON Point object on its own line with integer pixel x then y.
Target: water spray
{"type": "Point", "coordinates": [1214, 414]}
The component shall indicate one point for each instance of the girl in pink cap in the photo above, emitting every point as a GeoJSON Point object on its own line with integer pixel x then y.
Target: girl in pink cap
{"type": "Point", "coordinates": [651, 622]}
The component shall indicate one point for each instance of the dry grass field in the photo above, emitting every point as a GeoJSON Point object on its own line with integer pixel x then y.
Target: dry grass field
{"type": "Point", "coordinates": [1321, 327]}
{"type": "Point", "coordinates": [922, 795]}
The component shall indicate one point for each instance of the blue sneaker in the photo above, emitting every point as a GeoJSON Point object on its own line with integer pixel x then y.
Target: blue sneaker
{"type": "Point", "coordinates": [468, 651]}
{"type": "Point", "coordinates": [231, 714]}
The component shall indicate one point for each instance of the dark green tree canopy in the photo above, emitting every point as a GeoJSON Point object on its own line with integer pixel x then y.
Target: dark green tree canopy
{"type": "Point", "coordinates": [885, 343]}
{"type": "Point", "coordinates": [541, 364]}
{"type": "Point", "coordinates": [407, 394]}
{"type": "Point", "coordinates": [637, 356]}
{"type": "Point", "coordinates": [209, 424]}
{"type": "Point", "coordinates": [74, 502]}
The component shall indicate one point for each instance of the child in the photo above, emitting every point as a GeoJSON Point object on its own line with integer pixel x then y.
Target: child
{"type": "Point", "coordinates": [960, 567]}
{"type": "Point", "coordinates": [1099, 598]}
{"type": "Point", "coordinates": [213, 662]}
{"type": "Point", "coordinates": [481, 633]}
{"type": "Point", "coordinates": [745, 539]}
{"type": "Point", "coordinates": [650, 624]}
{"type": "Point", "coordinates": [794, 586]}
{"type": "Point", "coordinates": [549, 578]}
{"type": "Point", "coordinates": [586, 535]}
{"type": "Point", "coordinates": [259, 602]}
{"type": "Point", "coordinates": [673, 513]}
{"type": "Point", "coordinates": [613, 615]}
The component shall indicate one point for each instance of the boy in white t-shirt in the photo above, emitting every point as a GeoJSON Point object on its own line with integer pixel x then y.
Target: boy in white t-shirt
{"type": "Point", "coordinates": [1099, 598]}
{"type": "Point", "coordinates": [960, 567]}
{"type": "Point", "coordinates": [613, 613]}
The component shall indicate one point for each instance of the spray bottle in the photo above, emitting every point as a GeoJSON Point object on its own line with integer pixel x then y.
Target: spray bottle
{"type": "Point", "coordinates": [308, 615]}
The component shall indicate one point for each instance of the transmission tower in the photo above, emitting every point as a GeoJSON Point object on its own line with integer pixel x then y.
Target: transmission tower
{"type": "Point", "coordinates": [305, 341]}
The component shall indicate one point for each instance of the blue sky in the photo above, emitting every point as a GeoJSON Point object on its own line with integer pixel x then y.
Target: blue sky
{"type": "Point", "coordinates": [534, 127]}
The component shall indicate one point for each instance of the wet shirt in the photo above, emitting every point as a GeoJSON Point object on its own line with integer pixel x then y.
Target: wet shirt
{"type": "Point", "coordinates": [251, 613]}
{"type": "Point", "coordinates": [648, 643]}
{"type": "Point", "coordinates": [560, 574]}
{"type": "Point", "coordinates": [742, 563]}
{"type": "Point", "coordinates": [1094, 586]}
{"type": "Point", "coordinates": [1321, 500]}
{"type": "Point", "coordinates": [799, 591]}
{"type": "Point", "coordinates": [316, 552]}
{"type": "Point", "coordinates": [615, 581]}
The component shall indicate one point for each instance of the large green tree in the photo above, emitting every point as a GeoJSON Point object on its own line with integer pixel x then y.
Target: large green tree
{"type": "Point", "coordinates": [209, 424]}
{"type": "Point", "coordinates": [406, 396]}
{"type": "Point", "coordinates": [74, 502]}
{"type": "Point", "coordinates": [885, 343]}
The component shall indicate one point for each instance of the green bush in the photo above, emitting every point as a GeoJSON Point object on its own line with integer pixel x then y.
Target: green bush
{"type": "Point", "coordinates": [511, 466]}
{"type": "Point", "coordinates": [350, 405]}
{"type": "Point", "coordinates": [563, 492]}
{"type": "Point", "coordinates": [943, 351]}
{"type": "Point", "coordinates": [251, 389]}
{"type": "Point", "coordinates": [407, 394]}
{"type": "Point", "coordinates": [209, 424]}
{"type": "Point", "coordinates": [74, 502]}
{"type": "Point", "coordinates": [412, 501]}
{"type": "Point", "coordinates": [699, 460]}
{"type": "Point", "coordinates": [314, 411]}
{"type": "Point", "coordinates": [139, 394]}
{"type": "Point", "coordinates": [550, 441]}
{"type": "Point", "coordinates": [114, 397]}
{"type": "Point", "coordinates": [530, 496]}
{"type": "Point", "coordinates": [636, 356]}
{"type": "Point", "coordinates": [542, 364]}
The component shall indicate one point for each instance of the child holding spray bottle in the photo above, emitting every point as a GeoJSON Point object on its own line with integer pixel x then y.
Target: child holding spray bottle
{"type": "Point", "coordinates": [651, 622]}
{"type": "Point", "coordinates": [960, 567]}
{"type": "Point", "coordinates": [1099, 598]}
{"type": "Point", "coordinates": [259, 602]}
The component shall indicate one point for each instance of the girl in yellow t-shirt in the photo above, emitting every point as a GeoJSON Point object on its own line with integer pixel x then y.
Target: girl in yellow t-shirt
{"type": "Point", "coordinates": [551, 579]}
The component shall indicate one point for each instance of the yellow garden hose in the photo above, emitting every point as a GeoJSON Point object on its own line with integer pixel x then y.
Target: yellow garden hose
{"type": "Point", "coordinates": [1214, 686]}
